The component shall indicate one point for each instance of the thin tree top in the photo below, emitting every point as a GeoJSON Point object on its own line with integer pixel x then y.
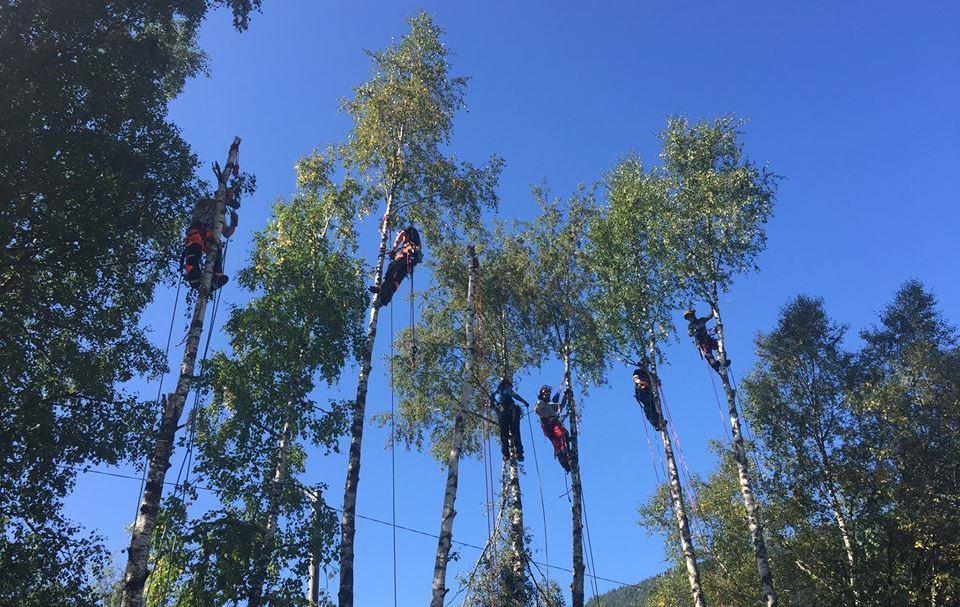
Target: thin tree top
{"type": "Point", "coordinates": [634, 258]}
{"type": "Point", "coordinates": [403, 119]}
{"type": "Point", "coordinates": [562, 317]}
{"type": "Point", "coordinates": [723, 201]}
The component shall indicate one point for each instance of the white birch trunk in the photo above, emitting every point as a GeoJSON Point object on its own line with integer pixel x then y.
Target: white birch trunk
{"type": "Point", "coordinates": [453, 458]}
{"type": "Point", "coordinates": [743, 472]}
{"type": "Point", "coordinates": [516, 531]}
{"type": "Point", "coordinates": [138, 553]}
{"type": "Point", "coordinates": [348, 522]}
{"type": "Point", "coordinates": [576, 490]}
{"type": "Point", "coordinates": [313, 587]}
{"type": "Point", "coordinates": [837, 510]}
{"type": "Point", "coordinates": [676, 494]}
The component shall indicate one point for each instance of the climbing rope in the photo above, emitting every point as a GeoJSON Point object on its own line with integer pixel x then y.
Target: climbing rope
{"type": "Point", "coordinates": [187, 461]}
{"type": "Point", "coordinates": [593, 562]}
{"type": "Point", "coordinates": [166, 366]}
{"type": "Point", "coordinates": [543, 508]}
{"type": "Point", "coordinates": [393, 459]}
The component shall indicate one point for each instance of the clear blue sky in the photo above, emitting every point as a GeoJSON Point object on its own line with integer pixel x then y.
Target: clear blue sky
{"type": "Point", "coordinates": [855, 103]}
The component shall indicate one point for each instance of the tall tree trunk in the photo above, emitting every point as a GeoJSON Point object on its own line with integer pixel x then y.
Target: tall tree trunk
{"type": "Point", "coordinates": [517, 532]}
{"type": "Point", "coordinates": [348, 522]}
{"type": "Point", "coordinates": [138, 553]}
{"type": "Point", "coordinates": [453, 458]}
{"type": "Point", "coordinates": [313, 587]}
{"type": "Point", "coordinates": [837, 510]}
{"type": "Point", "coordinates": [576, 490]}
{"type": "Point", "coordinates": [259, 576]}
{"type": "Point", "coordinates": [676, 493]}
{"type": "Point", "coordinates": [743, 471]}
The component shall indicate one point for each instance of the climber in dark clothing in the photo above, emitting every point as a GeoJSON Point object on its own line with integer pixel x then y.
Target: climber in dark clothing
{"type": "Point", "coordinates": [643, 392]}
{"type": "Point", "coordinates": [405, 255]}
{"type": "Point", "coordinates": [706, 343]}
{"type": "Point", "coordinates": [548, 410]}
{"type": "Point", "coordinates": [198, 240]}
{"type": "Point", "coordinates": [508, 418]}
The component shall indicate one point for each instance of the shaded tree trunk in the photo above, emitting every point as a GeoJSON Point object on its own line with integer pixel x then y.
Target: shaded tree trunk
{"type": "Point", "coordinates": [313, 586]}
{"type": "Point", "coordinates": [453, 458]}
{"type": "Point", "coordinates": [676, 494]}
{"type": "Point", "coordinates": [837, 510]}
{"type": "Point", "coordinates": [576, 490]}
{"type": "Point", "coordinates": [743, 471]}
{"type": "Point", "coordinates": [348, 522]}
{"type": "Point", "coordinates": [255, 596]}
{"type": "Point", "coordinates": [516, 541]}
{"type": "Point", "coordinates": [138, 552]}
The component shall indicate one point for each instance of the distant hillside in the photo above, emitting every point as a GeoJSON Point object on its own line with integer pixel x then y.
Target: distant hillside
{"type": "Point", "coordinates": [635, 595]}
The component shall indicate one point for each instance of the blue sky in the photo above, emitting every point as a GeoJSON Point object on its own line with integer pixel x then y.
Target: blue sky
{"type": "Point", "coordinates": [854, 103]}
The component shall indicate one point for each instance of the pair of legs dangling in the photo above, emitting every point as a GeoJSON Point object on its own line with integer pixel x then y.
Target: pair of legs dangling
{"type": "Point", "coordinates": [396, 272]}
{"type": "Point", "coordinates": [707, 347]}
{"type": "Point", "coordinates": [509, 423]}
{"type": "Point", "coordinates": [554, 430]}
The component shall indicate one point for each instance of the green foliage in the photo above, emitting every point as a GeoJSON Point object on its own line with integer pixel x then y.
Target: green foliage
{"type": "Point", "coordinates": [95, 183]}
{"type": "Point", "coordinates": [430, 389]}
{"type": "Point", "coordinates": [562, 318]}
{"type": "Point", "coordinates": [633, 257]}
{"type": "Point", "coordinates": [298, 332]}
{"type": "Point", "coordinates": [402, 122]}
{"type": "Point", "coordinates": [721, 202]}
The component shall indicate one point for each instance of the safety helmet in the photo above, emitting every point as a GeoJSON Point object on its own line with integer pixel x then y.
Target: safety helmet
{"type": "Point", "coordinates": [690, 312]}
{"type": "Point", "coordinates": [545, 389]}
{"type": "Point", "coordinates": [638, 372]}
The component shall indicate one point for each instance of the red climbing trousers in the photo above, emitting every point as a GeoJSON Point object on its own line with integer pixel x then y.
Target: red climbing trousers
{"type": "Point", "coordinates": [554, 430]}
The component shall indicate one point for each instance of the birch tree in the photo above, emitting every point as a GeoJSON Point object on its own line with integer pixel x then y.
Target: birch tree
{"type": "Point", "coordinates": [562, 325]}
{"type": "Point", "coordinates": [722, 202]}
{"type": "Point", "coordinates": [172, 405]}
{"type": "Point", "coordinates": [298, 333]}
{"type": "Point", "coordinates": [631, 254]}
{"type": "Point", "coordinates": [395, 158]}
{"type": "Point", "coordinates": [444, 398]}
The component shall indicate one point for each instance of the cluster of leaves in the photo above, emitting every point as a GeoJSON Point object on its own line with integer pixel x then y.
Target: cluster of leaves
{"type": "Point", "coordinates": [857, 474]}
{"type": "Point", "coordinates": [678, 232]}
{"type": "Point", "coordinates": [94, 187]}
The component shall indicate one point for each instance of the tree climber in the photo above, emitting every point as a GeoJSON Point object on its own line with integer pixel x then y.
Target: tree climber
{"type": "Point", "coordinates": [548, 410]}
{"type": "Point", "coordinates": [197, 242]}
{"type": "Point", "coordinates": [706, 343]}
{"type": "Point", "coordinates": [405, 256]}
{"type": "Point", "coordinates": [642, 391]}
{"type": "Point", "coordinates": [508, 417]}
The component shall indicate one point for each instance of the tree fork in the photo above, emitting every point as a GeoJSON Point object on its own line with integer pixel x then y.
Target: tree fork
{"type": "Point", "coordinates": [676, 492]}
{"type": "Point", "coordinates": [743, 469]}
{"type": "Point", "coordinates": [348, 521]}
{"type": "Point", "coordinates": [138, 553]}
{"type": "Point", "coordinates": [453, 458]}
